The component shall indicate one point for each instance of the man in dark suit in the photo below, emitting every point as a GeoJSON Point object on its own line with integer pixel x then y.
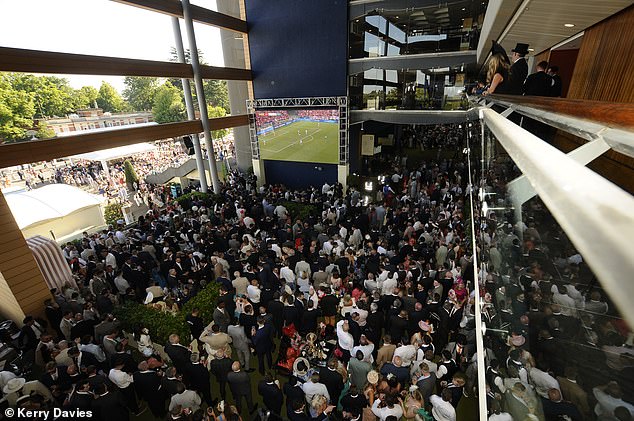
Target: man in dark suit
{"type": "Point", "coordinates": [148, 387]}
{"type": "Point", "coordinates": [333, 381]}
{"type": "Point", "coordinates": [261, 338]}
{"type": "Point", "coordinates": [519, 69]}
{"type": "Point", "coordinates": [56, 376]}
{"type": "Point", "coordinates": [198, 377]}
{"type": "Point", "coordinates": [221, 317]}
{"type": "Point", "coordinates": [178, 353]}
{"type": "Point", "coordinates": [271, 394]}
{"type": "Point", "coordinates": [556, 88]}
{"type": "Point", "coordinates": [240, 384]}
{"type": "Point", "coordinates": [220, 367]}
{"type": "Point", "coordinates": [109, 405]}
{"type": "Point", "coordinates": [538, 83]}
{"type": "Point", "coordinates": [170, 382]}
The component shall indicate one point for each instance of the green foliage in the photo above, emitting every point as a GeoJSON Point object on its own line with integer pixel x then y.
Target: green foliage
{"type": "Point", "coordinates": [16, 111]}
{"type": "Point", "coordinates": [208, 199]}
{"type": "Point", "coordinates": [52, 96]}
{"type": "Point", "coordinates": [85, 97]}
{"type": "Point", "coordinates": [168, 104]}
{"type": "Point", "coordinates": [109, 99]}
{"type": "Point", "coordinates": [133, 316]}
{"type": "Point", "coordinates": [300, 210]}
{"type": "Point", "coordinates": [130, 173]}
{"type": "Point", "coordinates": [215, 112]}
{"type": "Point", "coordinates": [112, 213]}
{"type": "Point", "coordinates": [140, 91]}
{"type": "Point", "coordinates": [216, 94]}
{"type": "Point", "coordinates": [43, 131]}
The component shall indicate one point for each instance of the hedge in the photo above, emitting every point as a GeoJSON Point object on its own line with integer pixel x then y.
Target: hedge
{"type": "Point", "coordinates": [301, 210]}
{"type": "Point", "coordinates": [112, 213]}
{"type": "Point", "coordinates": [134, 316]}
{"type": "Point", "coordinates": [208, 199]}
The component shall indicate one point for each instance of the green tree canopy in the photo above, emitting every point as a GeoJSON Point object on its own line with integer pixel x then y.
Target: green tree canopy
{"type": "Point", "coordinates": [214, 112]}
{"type": "Point", "coordinates": [43, 131]}
{"type": "Point", "coordinates": [85, 97]}
{"type": "Point", "coordinates": [52, 96]}
{"type": "Point", "coordinates": [109, 99]}
{"type": "Point", "coordinates": [130, 173]}
{"type": "Point", "coordinates": [168, 104]}
{"type": "Point", "coordinates": [140, 91]}
{"type": "Point", "coordinates": [216, 94]}
{"type": "Point", "coordinates": [16, 111]}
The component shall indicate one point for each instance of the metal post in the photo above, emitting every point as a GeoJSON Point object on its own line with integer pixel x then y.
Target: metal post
{"type": "Point", "coordinates": [187, 93]}
{"type": "Point", "coordinates": [200, 94]}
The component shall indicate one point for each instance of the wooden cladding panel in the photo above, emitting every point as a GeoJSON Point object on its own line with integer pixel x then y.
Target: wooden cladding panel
{"type": "Point", "coordinates": [35, 61]}
{"type": "Point", "coordinates": [45, 150]}
{"type": "Point", "coordinates": [199, 14]}
{"type": "Point", "coordinates": [604, 66]}
{"type": "Point", "coordinates": [608, 113]}
{"type": "Point", "coordinates": [20, 273]}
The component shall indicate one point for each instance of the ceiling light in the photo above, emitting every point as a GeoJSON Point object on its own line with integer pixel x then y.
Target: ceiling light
{"type": "Point", "coordinates": [569, 25]}
{"type": "Point", "coordinates": [531, 49]}
{"type": "Point", "coordinates": [464, 8]}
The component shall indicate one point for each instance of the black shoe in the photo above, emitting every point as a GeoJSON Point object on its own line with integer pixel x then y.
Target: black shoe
{"type": "Point", "coordinates": [255, 408]}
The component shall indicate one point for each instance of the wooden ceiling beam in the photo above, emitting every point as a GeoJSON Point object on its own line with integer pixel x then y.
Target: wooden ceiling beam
{"type": "Point", "coordinates": [46, 150]}
{"type": "Point", "coordinates": [199, 14]}
{"type": "Point", "coordinates": [36, 61]}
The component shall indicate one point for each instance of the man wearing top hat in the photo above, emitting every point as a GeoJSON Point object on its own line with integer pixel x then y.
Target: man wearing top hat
{"type": "Point", "coordinates": [519, 69]}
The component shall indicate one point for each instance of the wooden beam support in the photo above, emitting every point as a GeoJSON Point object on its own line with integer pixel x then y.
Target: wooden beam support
{"type": "Point", "coordinates": [35, 61]}
{"type": "Point", "coordinates": [199, 14]}
{"type": "Point", "coordinates": [46, 150]}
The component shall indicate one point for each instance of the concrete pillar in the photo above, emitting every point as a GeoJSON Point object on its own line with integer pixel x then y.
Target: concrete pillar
{"type": "Point", "coordinates": [233, 49]}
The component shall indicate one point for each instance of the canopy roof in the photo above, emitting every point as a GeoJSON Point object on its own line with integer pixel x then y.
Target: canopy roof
{"type": "Point", "coordinates": [48, 202]}
{"type": "Point", "coordinates": [116, 153]}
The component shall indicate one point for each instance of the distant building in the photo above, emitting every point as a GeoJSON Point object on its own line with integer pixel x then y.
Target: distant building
{"type": "Point", "coordinates": [95, 118]}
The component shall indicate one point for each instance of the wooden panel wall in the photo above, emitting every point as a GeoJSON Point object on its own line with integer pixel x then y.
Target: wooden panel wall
{"type": "Point", "coordinates": [566, 60]}
{"type": "Point", "coordinates": [604, 67]}
{"type": "Point", "coordinates": [22, 282]}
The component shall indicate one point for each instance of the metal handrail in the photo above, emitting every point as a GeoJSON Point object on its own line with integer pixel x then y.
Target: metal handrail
{"type": "Point", "coordinates": [595, 213]}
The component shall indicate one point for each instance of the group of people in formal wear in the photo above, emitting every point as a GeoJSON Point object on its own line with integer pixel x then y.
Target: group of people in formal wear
{"type": "Point", "coordinates": [357, 310]}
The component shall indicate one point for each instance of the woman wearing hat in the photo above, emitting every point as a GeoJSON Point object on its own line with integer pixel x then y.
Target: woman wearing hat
{"type": "Point", "coordinates": [370, 393]}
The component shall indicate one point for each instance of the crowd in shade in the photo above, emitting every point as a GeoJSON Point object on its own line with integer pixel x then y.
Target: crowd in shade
{"type": "Point", "coordinates": [360, 310]}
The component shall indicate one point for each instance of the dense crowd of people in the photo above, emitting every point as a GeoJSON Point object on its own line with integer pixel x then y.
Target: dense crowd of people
{"type": "Point", "coordinates": [361, 310]}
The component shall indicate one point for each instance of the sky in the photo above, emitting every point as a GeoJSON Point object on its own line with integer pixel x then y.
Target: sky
{"type": "Point", "coordinates": [100, 27]}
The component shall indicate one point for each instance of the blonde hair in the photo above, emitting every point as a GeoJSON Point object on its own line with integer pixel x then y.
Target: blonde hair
{"type": "Point", "coordinates": [495, 64]}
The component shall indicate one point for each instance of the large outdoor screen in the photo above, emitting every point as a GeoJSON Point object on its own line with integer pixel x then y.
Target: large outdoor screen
{"type": "Point", "coordinates": [303, 135]}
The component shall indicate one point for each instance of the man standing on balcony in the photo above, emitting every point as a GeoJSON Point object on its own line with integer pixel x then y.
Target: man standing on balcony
{"type": "Point", "coordinates": [519, 69]}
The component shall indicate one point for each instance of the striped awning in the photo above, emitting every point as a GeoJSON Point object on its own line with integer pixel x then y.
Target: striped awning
{"type": "Point", "coordinates": [51, 261]}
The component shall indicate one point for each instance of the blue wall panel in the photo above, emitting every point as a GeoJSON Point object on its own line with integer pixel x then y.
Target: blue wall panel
{"type": "Point", "coordinates": [298, 47]}
{"type": "Point", "coordinates": [299, 174]}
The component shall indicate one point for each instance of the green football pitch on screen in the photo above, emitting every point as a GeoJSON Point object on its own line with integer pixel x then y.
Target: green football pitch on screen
{"type": "Point", "coordinates": [303, 141]}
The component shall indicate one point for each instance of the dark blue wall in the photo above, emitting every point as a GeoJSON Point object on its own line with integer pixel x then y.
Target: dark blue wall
{"type": "Point", "coordinates": [299, 174]}
{"type": "Point", "coordinates": [298, 47]}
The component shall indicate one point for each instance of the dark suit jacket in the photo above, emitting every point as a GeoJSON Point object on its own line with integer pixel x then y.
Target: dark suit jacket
{"type": "Point", "coordinates": [262, 340]}
{"type": "Point", "coordinates": [271, 396]}
{"type": "Point", "coordinates": [538, 84]}
{"type": "Point", "coordinates": [198, 377]}
{"type": "Point", "coordinates": [179, 355]}
{"type": "Point", "coordinates": [333, 382]}
{"type": "Point", "coordinates": [111, 406]}
{"type": "Point", "coordinates": [518, 73]}
{"type": "Point", "coordinates": [148, 386]}
{"type": "Point", "coordinates": [221, 368]}
{"type": "Point", "coordinates": [239, 383]}
{"type": "Point", "coordinates": [169, 386]}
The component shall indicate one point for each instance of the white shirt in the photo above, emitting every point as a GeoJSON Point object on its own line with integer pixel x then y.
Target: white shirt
{"type": "Point", "coordinates": [111, 260]}
{"type": "Point", "coordinates": [383, 413]}
{"type": "Point", "coordinates": [367, 352]}
{"type": "Point", "coordinates": [503, 416]}
{"type": "Point", "coordinates": [120, 378]}
{"type": "Point", "coordinates": [253, 292]}
{"type": "Point", "coordinates": [407, 354]}
{"type": "Point", "coordinates": [441, 410]}
{"type": "Point", "coordinates": [121, 284]}
{"type": "Point", "coordinates": [287, 274]}
{"type": "Point", "coordinates": [346, 341]}
{"type": "Point", "coordinates": [606, 404]}
{"type": "Point", "coordinates": [543, 382]}
{"type": "Point", "coordinates": [388, 285]}
{"type": "Point", "coordinates": [311, 389]}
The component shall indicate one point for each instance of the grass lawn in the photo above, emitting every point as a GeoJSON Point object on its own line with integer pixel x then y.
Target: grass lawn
{"type": "Point", "coordinates": [302, 141]}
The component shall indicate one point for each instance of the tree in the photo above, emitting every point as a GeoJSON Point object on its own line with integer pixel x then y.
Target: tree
{"type": "Point", "coordinates": [43, 131]}
{"type": "Point", "coordinates": [140, 91]}
{"type": "Point", "coordinates": [168, 104]}
{"type": "Point", "coordinates": [16, 111]}
{"type": "Point", "coordinates": [52, 96]}
{"type": "Point", "coordinates": [130, 174]}
{"type": "Point", "coordinates": [109, 99]}
{"type": "Point", "coordinates": [85, 97]}
{"type": "Point", "coordinates": [216, 93]}
{"type": "Point", "coordinates": [214, 112]}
